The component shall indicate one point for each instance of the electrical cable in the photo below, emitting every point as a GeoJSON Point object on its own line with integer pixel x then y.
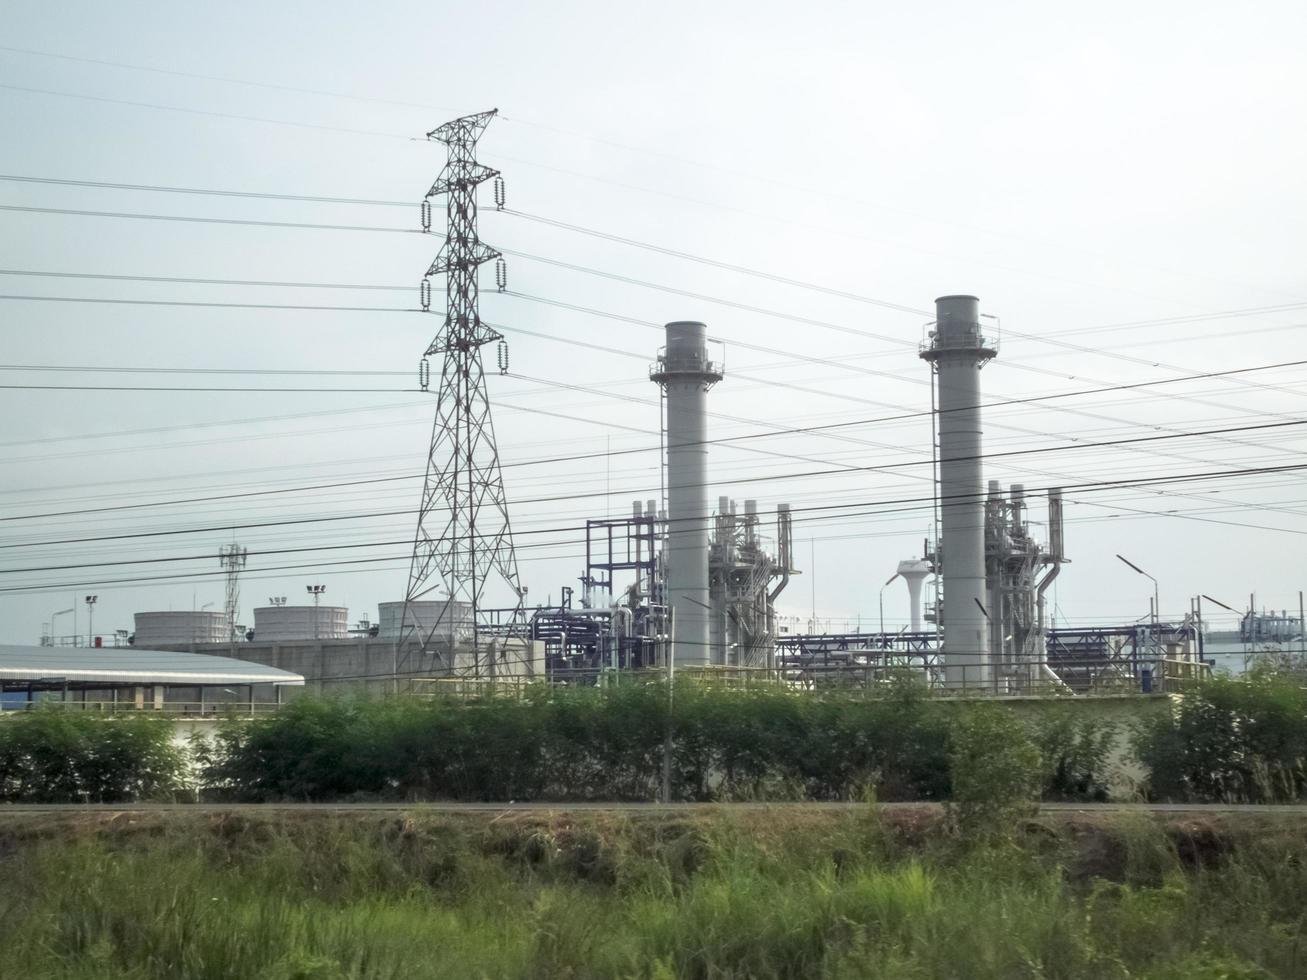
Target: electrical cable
{"type": "Point", "coordinates": [204, 191]}
{"type": "Point", "coordinates": [210, 303]}
{"type": "Point", "coordinates": [581, 457]}
{"type": "Point", "coordinates": [206, 221]}
{"type": "Point", "coordinates": [768, 477]}
{"type": "Point", "coordinates": [698, 164]}
{"type": "Point", "coordinates": [1081, 488]}
{"type": "Point", "coordinates": [207, 112]}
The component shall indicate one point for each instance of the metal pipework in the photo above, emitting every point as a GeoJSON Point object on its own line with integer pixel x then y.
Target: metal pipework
{"type": "Point", "coordinates": [956, 352]}
{"type": "Point", "coordinates": [685, 372]}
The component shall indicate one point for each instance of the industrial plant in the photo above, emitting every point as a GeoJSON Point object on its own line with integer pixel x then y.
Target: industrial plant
{"type": "Point", "coordinates": [683, 585]}
{"type": "Point", "coordinates": [686, 585]}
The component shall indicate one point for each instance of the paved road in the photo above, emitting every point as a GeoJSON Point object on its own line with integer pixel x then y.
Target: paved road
{"type": "Point", "coordinates": [18, 809]}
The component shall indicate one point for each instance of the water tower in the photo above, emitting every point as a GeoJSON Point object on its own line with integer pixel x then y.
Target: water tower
{"type": "Point", "coordinates": [914, 571]}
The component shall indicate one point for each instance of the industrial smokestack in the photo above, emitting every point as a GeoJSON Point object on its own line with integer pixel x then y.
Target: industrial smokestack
{"type": "Point", "coordinates": [685, 373]}
{"type": "Point", "coordinates": [957, 352]}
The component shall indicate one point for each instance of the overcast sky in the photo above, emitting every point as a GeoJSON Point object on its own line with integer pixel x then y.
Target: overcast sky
{"type": "Point", "coordinates": [1120, 183]}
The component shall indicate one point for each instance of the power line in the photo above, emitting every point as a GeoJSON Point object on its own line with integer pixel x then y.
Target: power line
{"type": "Point", "coordinates": [1078, 488]}
{"type": "Point", "coordinates": [206, 191]}
{"type": "Point", "coordinates": [206, 112]}
{"type": "Point", "coordinates": [798, 430]}
{"type": "Point", "coordinates": [771, 477]}
{"type": "Point", "coordinates": [697, 164]}
{"type": "Point", "coordinates": [628, 319]}
{"type": "Point", "coordinates": [207, 221]}
{"type": "Point", "coordinates": [202, 390]}
{"type": "Point", "coordinates": [715, 263]}
{"type": "Point", "coordinates": [191, 281]}
{"type": "Point", "coordinates": [843, 365]}
{"type": "Point", "coordinates": [207, 303]}
{"type": "Point", "coordinates": [1162, 321]}
{"type": "Point", "coordinates": [843, 294]}
{"type": "Point", "coordinates": [225, 79]}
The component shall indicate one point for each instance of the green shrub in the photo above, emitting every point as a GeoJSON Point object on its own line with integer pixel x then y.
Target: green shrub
{"type": "Point", "coordinates": [1229, 741]}
{"type": "Point", "coordinates": [61, 756]}
{"type": "Point", "coordinates": [1074, 752]}
{"type": "Point", "coordinates": [995, 771]}
{"type": "Point", "coordinates": [584, 744]}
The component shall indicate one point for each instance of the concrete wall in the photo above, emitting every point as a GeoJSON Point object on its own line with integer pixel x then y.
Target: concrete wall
{"type": "Point", "coordinates": [325, 665]}
{"type": "Point", "coordinates": [363, 662]}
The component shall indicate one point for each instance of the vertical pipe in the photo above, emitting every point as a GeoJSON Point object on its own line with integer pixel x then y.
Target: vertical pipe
{"type": "Point", "coordinates": [957, 351]}
{"type": "Point", "coordinates": [685, 374]}
{"type": "Point", "coordinates": [1302, 626]}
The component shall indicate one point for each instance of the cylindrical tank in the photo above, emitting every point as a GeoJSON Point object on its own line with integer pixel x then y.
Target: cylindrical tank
{"type": "Point", "coordinates": [276, 623]}
{"type": "Point", "coordinates": [686, 374]}
{"type": "Point", "coordinates": [439, 618]}
{"type": "Point", "coordinates": [958, 350]}
{"type": "Point", "coordinates": [173, 628]}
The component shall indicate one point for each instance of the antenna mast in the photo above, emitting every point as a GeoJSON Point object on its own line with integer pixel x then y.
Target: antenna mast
{"type": "Point", "coordinates": [463, 538]}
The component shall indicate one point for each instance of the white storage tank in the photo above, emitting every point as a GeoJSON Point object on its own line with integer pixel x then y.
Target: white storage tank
{"type": "Point", "coordinates": [276, 623]}
{"type": "Point", "coordinates": [446, 617]}
{"type": "Point", "coordinates": [171, 628]}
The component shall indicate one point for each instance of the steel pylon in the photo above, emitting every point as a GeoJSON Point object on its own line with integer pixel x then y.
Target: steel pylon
{"type": "Point", "coordinates": [464, 540]}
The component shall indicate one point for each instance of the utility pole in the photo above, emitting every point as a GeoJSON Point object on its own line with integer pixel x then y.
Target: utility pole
{"type": "Point", "coordinates": [90, 619]}
{"type": "Point", "coordinates": [232, 558]}
{"type": "Point", "coordinates": [463, 538]}
{"type": "Point", "coordinates": [316, 591]}
{"type": "Point", "coordinates": [1155, 613]}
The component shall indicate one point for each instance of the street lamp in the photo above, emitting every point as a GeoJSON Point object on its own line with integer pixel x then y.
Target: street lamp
{"type": "Point", "coordinates": [315, 591]}
{"type": "Point", "coordinates": [1231, 609]}
{"type": "Point", "coordinates": [1157, 612]}
{"type": "Point", "coordinates": [90, 619]}
{"type": "Point", "coordinates": [1220, 603]}
{"type": "Point", "coordinates": [61, 612]}
{"type": "Point", "coordinates": [888, 582]}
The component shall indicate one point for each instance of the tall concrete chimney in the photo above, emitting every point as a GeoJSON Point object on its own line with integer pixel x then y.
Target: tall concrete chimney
{"type": "Point", "coordinates": [956, 352]}
{"type": "Point", "coordinates": [685, 373]}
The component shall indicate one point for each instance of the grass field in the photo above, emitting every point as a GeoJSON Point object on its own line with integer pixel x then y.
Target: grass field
{"type": "Point", "coordinates": [756, 894]}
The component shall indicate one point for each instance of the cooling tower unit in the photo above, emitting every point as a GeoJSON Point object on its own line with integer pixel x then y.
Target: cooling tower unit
{"type": "Point", "coordinates": [176, 628]}
{"type": "Point", "coordinates": [957, 350]}
{"type": "Point", "coordinates": [273, 624]}
{"type": "Point", "coordinates": [685, 373]}
{"type": "Point", "coordinates": [441, 619]}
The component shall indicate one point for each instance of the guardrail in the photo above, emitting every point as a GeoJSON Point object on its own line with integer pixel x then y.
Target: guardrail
{"type": "Point", "coordinates": [172, 709]}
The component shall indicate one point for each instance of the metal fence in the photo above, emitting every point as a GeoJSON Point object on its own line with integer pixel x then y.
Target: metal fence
{"type": "Point", "coordinates": [1061, 678]}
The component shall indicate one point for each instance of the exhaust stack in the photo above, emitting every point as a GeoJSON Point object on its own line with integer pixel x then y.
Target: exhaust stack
{"type": "Point", "coordinates": [956, 352]}
{"type": "Point", "coordinates": [685, 374]}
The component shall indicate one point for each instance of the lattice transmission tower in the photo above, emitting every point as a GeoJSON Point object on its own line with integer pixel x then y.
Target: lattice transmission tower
{"type": "Point", "coordinates": [464, 540]}
{"type": "Point", "coordinates": [232, 557]}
